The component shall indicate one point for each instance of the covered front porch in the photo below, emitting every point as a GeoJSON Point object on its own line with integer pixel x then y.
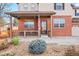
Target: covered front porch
{"type": "Point", "coordinates": [32, 23]}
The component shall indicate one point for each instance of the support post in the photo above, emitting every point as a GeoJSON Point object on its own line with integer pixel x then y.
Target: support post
{"type": "Point", "coordinates": [39, 26]}
{"type": "Point", "coordinates": [24, 33]}
{"type": "Point", "coordinates": [51, 26]}
{"type": "Point", "coordinates": [11, 27]}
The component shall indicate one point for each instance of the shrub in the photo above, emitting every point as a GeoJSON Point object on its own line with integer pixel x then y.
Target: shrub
{"type": "Point", "coordinates": [37, 46]}
{"type": "Point", "coordinates": [15, 40]}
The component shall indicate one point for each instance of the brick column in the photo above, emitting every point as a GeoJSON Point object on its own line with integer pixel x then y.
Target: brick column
{"type": "Point", "coordinates": [39, 26]}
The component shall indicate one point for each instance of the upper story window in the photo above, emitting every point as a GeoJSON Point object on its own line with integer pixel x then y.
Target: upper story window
{"type": "Point", "coordinates": [75, 6]}
{"type": "Point", "coordinates": [34, 6]}
{"type": "Point", "coordinates": [59, 22]}
{"type": "Point", "coordinates": [58, 6]}
{"type": "Point", "coordinates": [77, 12]}
{"type": "Point", "coordinates": [26, 6]}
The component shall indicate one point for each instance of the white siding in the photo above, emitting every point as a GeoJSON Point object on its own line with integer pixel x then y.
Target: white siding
{"type": "Point", "coordinates": [45, 7]}
{"type": "Point", "coordinates": [75, 31]}
{"type": "Point", "coordinates": [48, 7]}
{"type": "Point", "coordinates": [27, 7]}
{"type": "Point", "coordinates": [68, 10]}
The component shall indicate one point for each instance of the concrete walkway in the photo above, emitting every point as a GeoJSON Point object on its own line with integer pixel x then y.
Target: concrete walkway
{"type": "Point", "coordinates": [56, 40]}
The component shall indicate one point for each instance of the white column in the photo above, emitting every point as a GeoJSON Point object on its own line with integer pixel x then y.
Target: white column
{"type": "Point", "coordinates": [39, 26]}
{"type": "Point", "coordinates": [51, 26]}
{"type": "Point", "coordinates": [24, 33]}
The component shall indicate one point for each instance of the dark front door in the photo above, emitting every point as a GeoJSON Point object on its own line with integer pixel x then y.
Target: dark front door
{"type": "Point", "coordinates": [43, 27]}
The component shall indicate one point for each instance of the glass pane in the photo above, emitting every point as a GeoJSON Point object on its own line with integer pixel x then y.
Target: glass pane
{"type": "Point", "coordinates": [62, 22]}
{"type": "Point", "coordinates": [61, 25]}
{"type": "Point", "coordinates": [56, 20]}
{"type": "Point", "coordinates": [26, 6]}
{"type": "Point", "coordinates": [77, 13]}
{"type": "Point", "coordinates": [59, 6]}
{"type": "Point", "coordinates": [56, 25]}
{"type": "Point", "coordinates": [29, 24]}
{"type": "Point", "coordinates": [43, 25]}
{"type": "Point", "coordinates": [59, 22]}
{"type": "Point", "coordinates": [34, 6]}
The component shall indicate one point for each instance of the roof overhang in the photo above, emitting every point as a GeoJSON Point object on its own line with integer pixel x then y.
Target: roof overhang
{"type": "Point", "coordinates": [29, 13]}
{"type": "Point", "coordinates": [75, 6]}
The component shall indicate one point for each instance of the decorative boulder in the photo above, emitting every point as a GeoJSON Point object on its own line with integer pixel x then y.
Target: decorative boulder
{"type": "Point", "coordinates": [37, 47]}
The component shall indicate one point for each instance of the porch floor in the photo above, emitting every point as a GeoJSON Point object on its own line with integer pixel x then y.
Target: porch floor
{"type": "Point", "coordinates": [56, 40]}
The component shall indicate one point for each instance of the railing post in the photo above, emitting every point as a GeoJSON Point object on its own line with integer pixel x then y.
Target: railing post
{"type": "Point", "coordinates": [24, 33]}
{"type": "Point", "coordinates": [39, 26]}
{"type": "Point", "coordinates": [11, 27]}
{"type": "Point", "coordinates": [51, 26]}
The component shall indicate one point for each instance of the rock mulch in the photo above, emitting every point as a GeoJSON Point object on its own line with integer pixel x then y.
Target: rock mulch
{"type": "Point", "coordinates": [22, 50]}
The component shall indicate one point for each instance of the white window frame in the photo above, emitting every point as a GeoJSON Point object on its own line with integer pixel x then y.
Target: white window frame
{"type": "Point", "coordinates": [29, 22]}
{"type": "Point", "coordinates": [34, 6]}
{"type": "Point", "coordinates": [59, 4]}
{"type": "Point", "coordinates": [58, 21]}
{"type": "Point", "coordinates": [26, 6]}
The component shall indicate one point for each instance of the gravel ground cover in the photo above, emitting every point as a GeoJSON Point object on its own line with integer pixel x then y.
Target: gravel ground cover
{"type": "Point", "coordinates": [22, 50]}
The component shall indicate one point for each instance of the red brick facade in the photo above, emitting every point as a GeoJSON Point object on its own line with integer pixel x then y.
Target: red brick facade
{"type": "Point", "coordinates": [66, 31]}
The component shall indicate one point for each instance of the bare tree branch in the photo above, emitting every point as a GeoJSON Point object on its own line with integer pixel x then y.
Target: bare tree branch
{"type": "Point", "coordinates": [4, 7]}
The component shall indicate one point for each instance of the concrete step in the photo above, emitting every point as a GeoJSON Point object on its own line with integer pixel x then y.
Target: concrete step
{"type": "Point", "coordinates": [44, 35]}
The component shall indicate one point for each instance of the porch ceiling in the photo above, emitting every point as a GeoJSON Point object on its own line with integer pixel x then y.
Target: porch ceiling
{"type": "Point", "coordinates": [29, 13]}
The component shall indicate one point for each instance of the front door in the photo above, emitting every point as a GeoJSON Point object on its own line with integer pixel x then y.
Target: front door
{"type": "Point", "coordinates": [43, 27]}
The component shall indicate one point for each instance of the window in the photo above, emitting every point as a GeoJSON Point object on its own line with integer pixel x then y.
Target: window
{"type": "Point", "coordinates": [43, 25]}
{"type": "Point", "coordinates": [34, 6]}
{"type": "Point", "coordinates": [76, 12]}
{"type": "Point", "coordinates": [59, 6]}
{"type": "Point", "coordinates": [26, 6]}
{"type": "Point", "coordinates": [59, 22]}
{"type": "Point", "coordinates": [29, 24]}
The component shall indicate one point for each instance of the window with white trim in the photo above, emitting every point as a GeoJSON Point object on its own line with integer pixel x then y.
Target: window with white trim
{"type": "Point", "coordinates": [59, 6]}
{"type": "Point", "coordinates": [26, 6]}
{"type": "Point", "coordinates": [29, 24]}
{"type": "Point", "coordinates": [34, 6]}
{"type": "Point", "coordinates": [59, 22]}
{"type": "Point", "coordinates": [77, 12]}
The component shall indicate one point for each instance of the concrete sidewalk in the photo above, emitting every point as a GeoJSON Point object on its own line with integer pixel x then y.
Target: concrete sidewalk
{"type": "Point", "coordinates": [56, 40]}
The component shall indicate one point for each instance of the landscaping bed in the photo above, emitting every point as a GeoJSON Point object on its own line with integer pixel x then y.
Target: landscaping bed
{"type": "Point", "coordinates": [52, 50]}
